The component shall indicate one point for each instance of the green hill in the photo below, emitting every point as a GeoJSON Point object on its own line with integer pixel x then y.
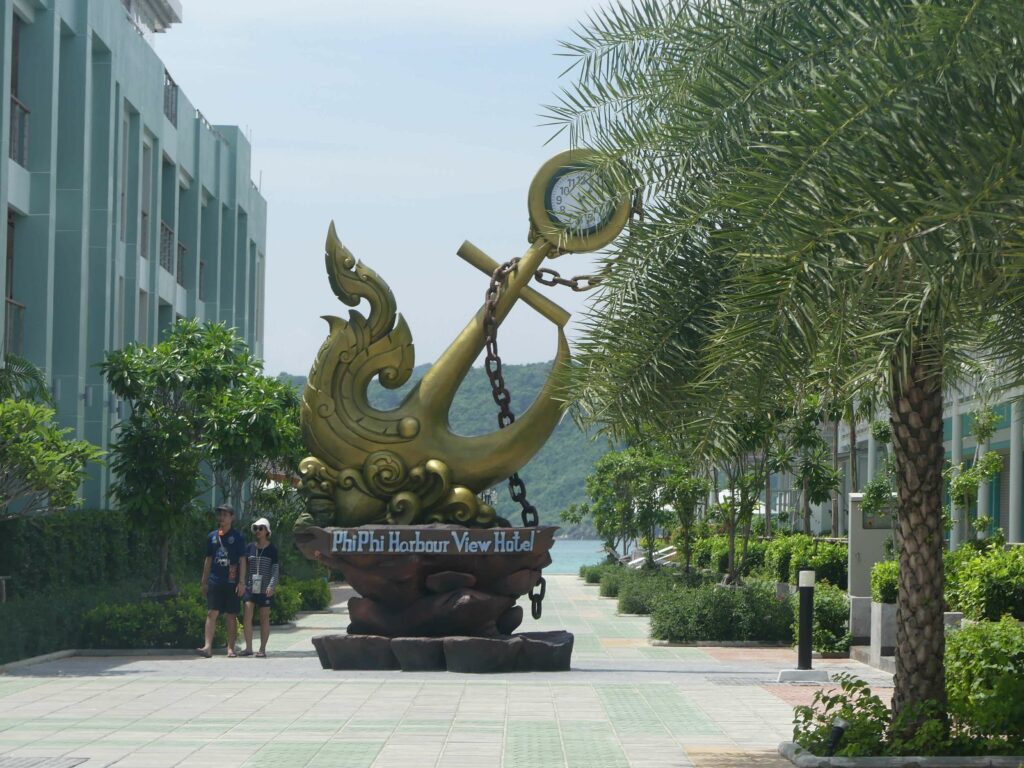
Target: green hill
{"type": "Point", "coordinates": [554, 477]}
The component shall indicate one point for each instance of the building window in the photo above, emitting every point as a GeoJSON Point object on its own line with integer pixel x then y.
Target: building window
{"type": "Point", "coordinates": [167, 254]}
{"type": "Point", "coordinates": [14, 311]}
{"type": "Point", "coordinates": [142, 331]}
{"type": "Point", "coordinates": [202, 281]}
{"type": "Point", "coordinates": [147, 192]}
{"type": "Point", "coordinates": [170, 98]}
{"type": "Point", "coordinates": [124, 178]}
{"type": "Point", "coordinates": [18, 149]}
{"type": "Point", "coordinates": [179, 271]}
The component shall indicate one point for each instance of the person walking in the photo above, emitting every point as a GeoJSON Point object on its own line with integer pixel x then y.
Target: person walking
{"type": "Point", "coordinates": [224, 573]}
{"type": "Point", "coordinates": [264, 573]}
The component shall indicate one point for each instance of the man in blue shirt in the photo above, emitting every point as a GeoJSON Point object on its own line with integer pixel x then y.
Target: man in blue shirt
{"type": "Point", "coordinates": [223, 578]}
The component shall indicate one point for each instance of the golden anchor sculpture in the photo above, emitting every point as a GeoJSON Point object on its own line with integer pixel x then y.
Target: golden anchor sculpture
{"type": "Point", "coordinates": [406, 466]}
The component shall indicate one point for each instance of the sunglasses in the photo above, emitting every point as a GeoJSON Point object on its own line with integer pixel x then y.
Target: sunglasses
{"type": "Point", "coordinates": [259, 527]}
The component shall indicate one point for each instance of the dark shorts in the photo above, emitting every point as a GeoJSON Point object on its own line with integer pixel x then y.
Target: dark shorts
{"type": "Point", "coordinates": [222, 597]}
{"type": "Point", "coordinates": [260, 601]}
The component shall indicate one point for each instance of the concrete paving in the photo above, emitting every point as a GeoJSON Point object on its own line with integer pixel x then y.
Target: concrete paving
{"type": "Point", "coordinates": [625, 704]}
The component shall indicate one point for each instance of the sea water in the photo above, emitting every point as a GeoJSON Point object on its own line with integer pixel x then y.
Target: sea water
{"type": "Point", "coordinates": [567, 555]}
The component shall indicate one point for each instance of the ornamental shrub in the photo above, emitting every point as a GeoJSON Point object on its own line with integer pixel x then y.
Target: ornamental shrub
{"type": "Point", "coordinates": [885, 576]}
{"type": "Point", "coordinates": [612, 578]}
{"type": "Point", "coordinates": [592, 573]}
{"type": "Point", "coordinates": [287, 602]}
{"type": "Point", "coordinates": [831, 629]}
{"type": "Point", "coordinates": [778, 553]}
{"type": "Point", "coordinates": [639, 592]}
{"type": "Point", "coordinates": [827, 559]}
{"type": "Point", "coordinates": [985, 681]}
{"type": "Point", "coordinates": [315, 593]}
{"type": "Point", "coordinates": [712, 612]}
{"type": "Point", "coordinates": [175, 623]}
{"type": "Point", "coordinates": [992, 585]}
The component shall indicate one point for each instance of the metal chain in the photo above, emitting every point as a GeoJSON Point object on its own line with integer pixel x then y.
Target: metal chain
{"type": "Point", "coordinates": [503, 399]}
{"type": "Point", "coordinates": [579, 283]}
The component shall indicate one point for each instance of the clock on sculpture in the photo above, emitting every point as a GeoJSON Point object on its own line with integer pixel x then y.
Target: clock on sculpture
{"type": "Point", "coordinates": [573, 205]}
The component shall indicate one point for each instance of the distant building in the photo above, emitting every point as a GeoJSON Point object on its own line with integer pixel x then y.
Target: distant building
{"type": "Point", "coordinates": [126, 209]}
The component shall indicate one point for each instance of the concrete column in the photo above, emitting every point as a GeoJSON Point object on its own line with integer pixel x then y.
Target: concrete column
{"type": "Point", "coordinates": [1016, 472]}
{"type": "Point", "coordinates": [956, 535]}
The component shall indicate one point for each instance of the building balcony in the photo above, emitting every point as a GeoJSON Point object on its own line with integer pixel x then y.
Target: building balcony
{"type": "Point", "coordinates": [19, 132]}
{"type": "Point", "coordinates": [14, 327]}
{"type": "Point", "coordinates": [153, 15]}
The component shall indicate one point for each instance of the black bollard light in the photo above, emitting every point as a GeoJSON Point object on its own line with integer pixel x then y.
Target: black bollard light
{"type": "Point", "coordinates": [806, 631]}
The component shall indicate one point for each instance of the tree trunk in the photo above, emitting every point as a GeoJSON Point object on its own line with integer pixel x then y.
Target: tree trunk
{"type": "Point", "coordinates": [835, 466]}
{"type": "Point", "coordinates": [916, 415]}
{"type": "Point", "coordinates": [768, 506]}
{"type": "Point", "coordinates": [805, 500]}
{"type": "Point", "coordinates": [165, 579]}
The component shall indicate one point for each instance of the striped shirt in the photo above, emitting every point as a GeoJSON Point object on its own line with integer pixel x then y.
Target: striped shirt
{"type": "Point", "coordinates": [262, 563]}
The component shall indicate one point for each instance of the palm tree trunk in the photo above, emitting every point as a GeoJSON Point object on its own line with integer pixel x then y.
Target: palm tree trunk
{"type": "Point", "coordinates": [916, 414]}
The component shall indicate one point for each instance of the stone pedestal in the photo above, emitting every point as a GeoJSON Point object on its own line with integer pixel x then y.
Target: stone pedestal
{"type": "Point", "coordinates": [525, 652]}
{"type": "Point", "coordinates": [437, 597]}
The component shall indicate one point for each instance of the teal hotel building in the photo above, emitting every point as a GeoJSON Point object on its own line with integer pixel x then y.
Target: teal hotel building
{"type": "Point", "coordinates": [126, 209]}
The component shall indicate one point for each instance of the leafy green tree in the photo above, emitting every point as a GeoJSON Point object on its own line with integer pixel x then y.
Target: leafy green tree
{"type": "Point", "coordinates": [192, 398]}
{"type": "Point", "coordinates": [818, 175]}
{"type": "Point", "coordinates": [41, 469]}
{"type": "Point", "coordinates": [253, 429]}
{"type": "Point", "coordinates": [684, 491]}
{"type": "Point", "coordinates": [626, 501]}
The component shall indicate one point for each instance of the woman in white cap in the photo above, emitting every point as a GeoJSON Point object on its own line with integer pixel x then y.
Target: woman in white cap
{"type": "Point", "coordinates": [263, 574]}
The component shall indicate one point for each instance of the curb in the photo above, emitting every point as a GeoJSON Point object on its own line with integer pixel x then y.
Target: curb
{"type": "Point", "coordinates": [720, 644]}
{"type": "Point", "coordinates": [801, 758]}
{"type": "Point", "coordinates": [12, 666]}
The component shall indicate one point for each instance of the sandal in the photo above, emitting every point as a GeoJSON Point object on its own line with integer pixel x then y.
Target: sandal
{"type": "Point", "coordinates": [261, 654]}
{"type": "Point", "coordinates": [204, 653]}
{"type": "Point", "coordinates": [232, 655]}
{"type": "Point", "coordinates": [245, 653]}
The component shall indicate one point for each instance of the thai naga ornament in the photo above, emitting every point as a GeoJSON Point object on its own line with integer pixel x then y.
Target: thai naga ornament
{"type": "Point", "coordinates": [406, 466]}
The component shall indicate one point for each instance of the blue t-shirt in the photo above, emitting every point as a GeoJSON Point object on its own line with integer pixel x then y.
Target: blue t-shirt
{"type": "Point", "coordinates": [225, 552]}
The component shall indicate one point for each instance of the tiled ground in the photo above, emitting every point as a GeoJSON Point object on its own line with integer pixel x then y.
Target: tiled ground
{"type": "Point", "coordinates": [625, 704]}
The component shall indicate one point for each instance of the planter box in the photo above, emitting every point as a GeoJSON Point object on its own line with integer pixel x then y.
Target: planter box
{"type": "Point", "coordinates": [860, 620]}
{"type": "Point", "coordinates": [883, 631]}
{"type": "Point", "coordinates": [804, 759]}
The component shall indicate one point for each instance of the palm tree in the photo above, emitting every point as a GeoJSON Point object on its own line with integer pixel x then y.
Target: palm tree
{"type": "Point", "coordinates": [21, 380]}
{"type": "Point", "coordinates": [819, 175]}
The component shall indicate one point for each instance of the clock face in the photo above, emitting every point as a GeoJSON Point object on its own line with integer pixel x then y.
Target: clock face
{"type": "Point", "coordinates": [571, 205]}
{"type": "Point", "coordinates": [576, 203]}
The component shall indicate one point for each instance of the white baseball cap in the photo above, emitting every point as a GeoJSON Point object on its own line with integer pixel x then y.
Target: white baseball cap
{"type": "Point", "coordinates": [264, 522]}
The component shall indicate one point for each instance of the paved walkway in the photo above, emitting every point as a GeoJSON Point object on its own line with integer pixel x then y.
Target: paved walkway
{"type": "Point", "coordinates": [625, 704]}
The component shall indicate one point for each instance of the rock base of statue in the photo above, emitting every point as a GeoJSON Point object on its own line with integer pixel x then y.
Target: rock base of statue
{"type": "Point", "coordinates": [525, 652]}
{"type": "Point", "coordinates": [437, 597]}
{"type": "Point", "coordinates": [433, 580]}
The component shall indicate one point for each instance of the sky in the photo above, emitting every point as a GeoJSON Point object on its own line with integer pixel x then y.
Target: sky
{"type": "Point", "coordinates": [412, 125]}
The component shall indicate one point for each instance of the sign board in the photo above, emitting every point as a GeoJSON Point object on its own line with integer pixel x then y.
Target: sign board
{"type": "Point", "coordinates": [427, 541]}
